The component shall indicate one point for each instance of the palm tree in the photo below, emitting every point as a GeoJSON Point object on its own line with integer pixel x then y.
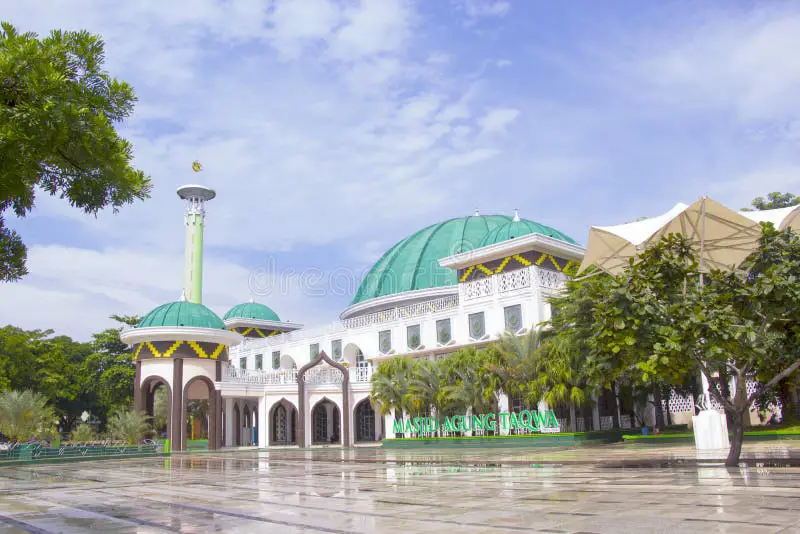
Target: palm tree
{"type": "Point", "coordinates": [25, 415]}
{"type": "Point", "coordinates": [562, 380]}
{"type": "Point", "coordinates": [426, 389]}
{"type": "Point", "coordinates": [131, 427]}
{"type": "Point", "coordinates": [82, 433]}
{"type": "Point", "coordinates": [469, 382]}
{"type": "Point", "coordinates": [390, 386]}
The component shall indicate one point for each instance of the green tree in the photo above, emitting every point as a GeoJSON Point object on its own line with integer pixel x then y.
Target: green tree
{"type": "Point", "coordinates": [390, 383]}
{"type": "Point", "coordinates": [129, 426]}
{"type": "Point", "coordinates": [58, 113]}
{"type": "Point", "coordinates": [726, 324]}
{"type": "Point", "coordinates": [562, 378]}
{"type": "Point", "coordinates": [24, 415]}
{"type": "Point", "coordinates": [469, 381]}
{"type": "Point", "coordinates": [773, 201]}
{"type": "Point", "coordinates": [109, 371]}
{"type": "Point", "coordinates": [82, 433]}
{"type": "Point", "coordinates": [426, 392]}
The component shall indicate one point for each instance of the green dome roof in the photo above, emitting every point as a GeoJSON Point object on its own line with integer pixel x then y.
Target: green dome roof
{"type": "Point", "coordinates": [182, 313]}
{"type": "Point", "coordinates": [252, 310]}
{"type": "Point", "coordinates": [520, 228]}
{"type": "Point", "coordinates": [413, 263]}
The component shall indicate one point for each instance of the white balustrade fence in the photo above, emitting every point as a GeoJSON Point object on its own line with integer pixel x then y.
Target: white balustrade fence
{"type": "Point", "coordinates": [316, 375]}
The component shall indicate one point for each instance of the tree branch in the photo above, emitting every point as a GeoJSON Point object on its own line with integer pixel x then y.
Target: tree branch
{"type": "Point", "coordinates": [775, 379]}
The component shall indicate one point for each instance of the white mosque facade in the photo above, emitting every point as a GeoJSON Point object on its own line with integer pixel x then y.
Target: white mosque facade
{"type": "Point", "coordinates": [454, 284]}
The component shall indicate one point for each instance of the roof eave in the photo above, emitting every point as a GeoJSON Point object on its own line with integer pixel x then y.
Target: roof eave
{"type": "Point", "coordinates": [516, 245]}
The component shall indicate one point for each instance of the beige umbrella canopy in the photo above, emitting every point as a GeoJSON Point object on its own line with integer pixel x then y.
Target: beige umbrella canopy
{"type": "Point", "coordinates": [721, 237]}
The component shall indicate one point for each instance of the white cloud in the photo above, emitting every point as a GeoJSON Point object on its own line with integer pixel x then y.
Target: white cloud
{"type": "Point", "coordinates": [742, 62]}
{"type": "Point", "coordinates": [497, 120]}
{"type": "Point", "coordinates": [484, 8]}
{"type": "Point", "coordinates": [741, 190]}
{"type": "Point", "coordinates": [468, 158]}
{"type": "Point", "coordinates": [75, 290]}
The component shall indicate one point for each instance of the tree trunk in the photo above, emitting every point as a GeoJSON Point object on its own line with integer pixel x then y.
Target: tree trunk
{"type": "Point", "coordinates": [737, 417]}
{"type": "Point", "coordinates": [572, 422]}
{"type": "Point", "coordinates": [736, 443]}
{"type": "Point", "coordinates": [616, 408]}
{"type": "Point", "coordinates": [659, 408]}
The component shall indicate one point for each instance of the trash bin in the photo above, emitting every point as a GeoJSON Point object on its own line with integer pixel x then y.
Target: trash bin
{"type": "Point", "coordinates": [645, 431]}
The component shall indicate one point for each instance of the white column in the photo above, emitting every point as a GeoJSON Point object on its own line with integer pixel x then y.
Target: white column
{"type": "Point", "coordinates": [263, 423]}
{"type": "Point", "coordinates": [389, 423]}
{"type": "Point", "coordinates": [595, 414]}
{"type": "Point", "coordinates": [378, 433]}
{"type": "Point", "coordinates": [503, 406]}
{"type": "Point", "coordinates": [228, 407]}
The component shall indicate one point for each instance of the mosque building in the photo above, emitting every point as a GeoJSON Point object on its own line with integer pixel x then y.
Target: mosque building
{"type": "Point", "coordinates": [268, 382]}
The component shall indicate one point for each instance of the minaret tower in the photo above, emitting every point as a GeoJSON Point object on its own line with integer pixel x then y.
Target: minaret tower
{"type": "Point", "coordinates": [183, 331]}
{"type": "Point", "coordinates": [196, 197]}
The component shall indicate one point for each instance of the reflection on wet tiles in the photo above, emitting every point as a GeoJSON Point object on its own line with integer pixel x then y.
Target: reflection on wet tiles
{"type": "Point", "coordinates": [609, 489]}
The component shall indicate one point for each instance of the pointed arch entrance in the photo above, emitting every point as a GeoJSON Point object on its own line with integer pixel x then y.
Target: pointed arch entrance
{"type": "Point", "coordinates": [364, 422]}
{"type": "Point", "coordinates": [283, 423]}
{"type": "Point", "coordinates": [302, 439]}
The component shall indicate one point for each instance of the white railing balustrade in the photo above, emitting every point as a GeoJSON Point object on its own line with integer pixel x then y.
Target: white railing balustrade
{"type": "Point", "coordinates": [404, 312]}
{"type": "Point", "coordinates": [361, 374]}
{"type": "Point", "coordinates": [482, 287]}
{"type": "Point", "coordinates": [549, 279]}
{"type": "Point", "coordinates": [323, 374]}
{"type": "Point", "coordinates": [266, 378]}
{"type": "Point", "coordinates": [512, 280]}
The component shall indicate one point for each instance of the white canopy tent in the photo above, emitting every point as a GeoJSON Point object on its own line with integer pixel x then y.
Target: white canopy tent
{"type": "Point", "coordinates": [781, 218]}
{"type": "Point", "coordinates": [722, 237]}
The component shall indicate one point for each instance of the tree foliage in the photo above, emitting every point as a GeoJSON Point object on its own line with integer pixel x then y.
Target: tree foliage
{"type": "Point", "coordinates": [664, 318]}
{"type": "Point", "coordinates": [25, 415]}
{"type": "Point", "coordinates": [129, 426]}
{"type": "Point", "coordinates": [774, 200]}
{"type": "Point", "coordinates": [96, 377]}
{"type": "Point", "coordinates": [58, 115]}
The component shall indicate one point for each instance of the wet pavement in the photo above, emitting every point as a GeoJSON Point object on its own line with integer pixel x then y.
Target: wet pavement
{"type": "Point", "coordinates": [608, 489]}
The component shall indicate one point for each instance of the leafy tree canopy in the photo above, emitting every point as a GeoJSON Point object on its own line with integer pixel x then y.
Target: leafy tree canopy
{"type": "Point", "coordinates": [58, 113]}
{"type": "Point", "coordinates": [774, 201]}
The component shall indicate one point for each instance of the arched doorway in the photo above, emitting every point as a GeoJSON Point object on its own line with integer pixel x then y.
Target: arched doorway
{"type": "Point", "coordinates": [365, 422]}
{"type": "Point", "coordinates": [325, 423]}
{"type": "Point", "coordinates": [283, 423]}
{"type": "Point", "coordinates": [199, 421]}
{"type": "Point", "coordinates": [237, 426]}
{"type": "Point", "coordinates": [158, 405]}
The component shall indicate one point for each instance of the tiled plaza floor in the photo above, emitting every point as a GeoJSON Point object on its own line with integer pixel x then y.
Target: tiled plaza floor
{"type": "Point", "coordinates": [606, 489]}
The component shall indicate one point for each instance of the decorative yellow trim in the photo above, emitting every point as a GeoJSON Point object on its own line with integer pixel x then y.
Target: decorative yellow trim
{"type": "Point", "coordinates": [167, 353]}
{"type": "Point", "coordinates": [541, 259]}
{"type": "Point", "coordinates": [484, 269]}
{"type": "Point", "coordinates": [522, 260]}
{"type": "Point", "coordinates": [467, 273]}
{"type": "Point", "coordinates": [247, 331]}
{"type": "Point", "coordinates": [138, 350]}
{"type": "Point", "coordinates": [273, 333]}
{"type": "Point", "coordinates": [503, 264]}
{"type": "Point", "coordinates": [203, 354]}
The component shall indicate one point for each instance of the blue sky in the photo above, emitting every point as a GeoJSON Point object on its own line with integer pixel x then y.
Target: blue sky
{"type": "Point", "coordinates": [331, 129]}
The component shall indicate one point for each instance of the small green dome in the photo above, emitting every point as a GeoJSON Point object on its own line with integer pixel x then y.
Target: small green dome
{"type": "Point", "coordinates": [182, 313]}
{"type": "Point", "coordinates": [413, 263]}
{"type": "Point", "coordinates": [252, 310]}
{"type": "Point", "coordinates": [519, 228]}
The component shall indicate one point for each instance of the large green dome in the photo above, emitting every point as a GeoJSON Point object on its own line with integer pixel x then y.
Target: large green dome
{"type": "Point", "coordinates": [181, 313]}
{"type": "Point", "coordinates": [413, 263]}
{"type": "Point", "coordinates": [519, 228]}
{"type": "Point", "coordinates": [252, 310]}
